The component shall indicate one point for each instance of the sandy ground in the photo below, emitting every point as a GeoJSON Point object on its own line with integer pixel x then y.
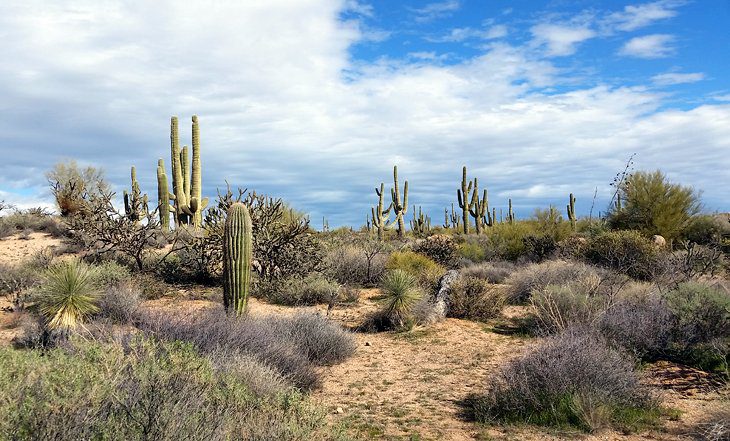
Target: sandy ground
{"type": "Point", "coordinates": [411, 385]}
{"type": "Point", "coordinates": [13, 249]}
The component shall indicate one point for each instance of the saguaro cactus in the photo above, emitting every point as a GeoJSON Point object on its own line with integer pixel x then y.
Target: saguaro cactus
{"type": "Point", "coordinates": [571, 211]}
{"type": "Point", "coordinates": [135, 204]}
{"type": "Point", "coordinates": [237, 255]}
{"type": "Point", "coordinates": [465, 203]}
{"type": "Point", "coordinates": [380, 214]}
{"type": "Point", "coordinates": [477, 207]}
{"type": "Point", "coordinates": [455, 219]}
{"type": "Point", "coordinates": [163, 196]}
{"type": "Point", "coordinates": [510, 213]}
{"type": "Point", "coordinates": [187, 179]}
{"type": "Point", "coordinates": [421, 224]}
{"type": "Point", "coordinates": [398, 208]}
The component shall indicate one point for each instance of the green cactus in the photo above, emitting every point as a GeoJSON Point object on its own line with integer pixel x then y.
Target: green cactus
{"type": "Point", "coordinates": [135, 204]}
{"type": "Point", "coordinates": [237, 257]}
{"type": "Point", "coordinates": [421, 224]}
{"type": "Point", "coordinates": [464, 200]}
{"type": "Point", "coordinates": [571, 211]}
{"type": "Point", "coordinates": [186, 179]}
{"type": "Point", "coordinates": [399, 209]}
{"type": "Point", "coordinates": [446, 218]}
{"type": "Point", "coordinates": [455, 219]}
{"type": "Point", "coordinates": [477, 207]}
{"type": "Point", "coordinates": [163, 196]}
{"type": "Point", "coordinates": [510, 213]}
{"type": "Point", "coordinates": [381, 215]}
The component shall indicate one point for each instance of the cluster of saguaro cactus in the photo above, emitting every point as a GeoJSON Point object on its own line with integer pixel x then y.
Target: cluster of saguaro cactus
{"type": "Point", "coordinates": [237, 255]}
{"type": "Point", "coordinates": [135, 203]}
{"type": "Point", "coordinates": [472, 205]}
{"type": "Point", "coordinates": [571, 211]}
{"type": "Point", "coordinates": [399, 209]}
{"type": "Point", "coordinates": [381, 214]}
{"type": "Point", "coordinates": [186, 178]}
{"type": "Point", "coordinates": [421, 224]}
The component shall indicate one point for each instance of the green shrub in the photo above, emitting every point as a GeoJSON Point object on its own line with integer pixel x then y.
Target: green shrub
{"type": "Point", "coordinates": [705, 230]}
{"type": "Point", "coordinates": [539, 247]}
{"type": "Point", "coordinates": [573, 379]}
{"type": "Point", "coordinates": [506, 241]}
{"type": "Point", "coordinates": [559, 307]}
{"type": "Point", "coordinates": [472, 250]}
{"type": "Point", "coordinates": [312, 290]}
{"type": "Point", "coordinates": [492, 272]}
{"type": "Point", "coordinates": [110, 273]}
{"type": "Point", "coordinates": [145, 390]}
{"type": "Point", "coordinates": [475, 299]}
{"type": "Point", "coordinates": [426, 271]}
{"type": "Point", "coordinates": [627, 252]}
{"type": "Point", "coordinates": [359, 264]}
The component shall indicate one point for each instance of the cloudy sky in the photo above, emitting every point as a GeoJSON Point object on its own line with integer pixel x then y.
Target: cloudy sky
{"type": "Point", "coordinates": [316, 100]}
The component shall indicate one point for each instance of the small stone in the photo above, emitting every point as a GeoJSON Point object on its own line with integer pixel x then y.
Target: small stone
{"type": "Point", "coordinates": [339, 410]}
{"type": "Point", "coordinates": [367, 343]}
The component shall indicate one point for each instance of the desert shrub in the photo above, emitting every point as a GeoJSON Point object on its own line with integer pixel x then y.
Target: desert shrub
{"type": "Point", "coordinates": [323, 342]}
{"type": "Point", "coordinates": [119, 302]}
{"type": "Point", "coordinates": [276, 342]}
{"type": "Point", "coordinates": [653, 205]}
{"type": "Point", "coordinates": [426, 271]}
{"type": "Point", "coordinates": [714, 427]}
{"type": "Point", "coordinates": [438, 247]}
{"type": "Point", "coordinates": [705, 230]}
{"type": "Point", "coordinates": [506, 241]}
{"type": "Point", "coordinates": [573, 379]}
{"type": "Point", "coordinates": [110, 273]}
{"type": "Point", "coordinates": [142, 390]}
{"type": "Point", "coordinates": [311, 290]}
{"type": "Point", "coordinates": [68, 295]}
{"type": "Point", "coordinates": [493, 272]}
{"type": "Point", "coordinates": [702, 313]}
{"type": "Point", "coordinates": [18, 281]}
{"type": "Point", "coordinates": [559, 307]}
{"type": "Point", "coordinates": [540, 275]}
{"type": "Point", "coordinates": [475, 299]}
{"type": "Point", "coordinates": [473, 249]}
{"type": "Point", "coordinates": [627, 252]}
{"type": "Point", "coordinates": [539, 247]}
{"type": "Point", "coordinates": [691, 262]}
{"type": "Point", "coordinates": [30, 220]}
{"type": "Point", "coordinates": [640, 322]}
{"type": "Point", "coordinates": [72, 186]}
{"type": "Point", "coordinates": [357, 264]}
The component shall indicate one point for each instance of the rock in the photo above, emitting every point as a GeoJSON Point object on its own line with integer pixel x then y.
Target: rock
{"type": "Point", "coordinates": [441, 303]}
{"type": "Point", "coordinates": [367, 343]}
{"type": "Point", "coordinates": [659, 241]}
{"type": "Point", "coordinates": [339, 410]}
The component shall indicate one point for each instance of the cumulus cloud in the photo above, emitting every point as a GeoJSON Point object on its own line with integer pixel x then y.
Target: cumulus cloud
{"type": "Point", "coordinates": [648, 46]}
{"type": "Point", "coordinates": [285, 110]}
{"type": "Point", "coordinates": [560, 40]}
{"type": "Point", "coordinates": [462, 34]}
{"type": "Point", "coordinates": [672, 78]}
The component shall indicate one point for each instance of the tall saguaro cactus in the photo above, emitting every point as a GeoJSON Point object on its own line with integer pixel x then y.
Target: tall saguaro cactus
{"type": "Point", "coordinates": [237, 255]}
{"type": "Point", "coordinates": [510, 213]}
{"type": "Point", "coordinates": [380, 214]}
{"type": "Point", "coordinates": [477, 207]}
{"type": "Point", "coordinates": [465, 203]}
{"type": "Point", "coordinates": [135, 204]}
{"type": "Point", "coordinates": [571, 211]}
{"type": "Point", "coordinates": [163, 196]}
{"type": "Point", "coordinates": [187, 177]}
{"type": "Point", "coordinates": [399, 209]}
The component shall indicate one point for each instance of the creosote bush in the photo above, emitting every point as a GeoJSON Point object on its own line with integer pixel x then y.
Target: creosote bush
{"type": "Point", "coordinates": [627, 252]}
{"type": "Point", "coordinates": [119, 302]}
{"type": "Point", "coordinates": [426, 271]}
{"type": "Point", "coordinates": [475, 299]}
{"type": "Point", "coordinates": [359, 264]}
{"type": "Point", "coordinates": [311, 290]}
{"type": "Point", "coordinates": [572, 379]}
{"type": "Point", "coordinates": [492, 272]}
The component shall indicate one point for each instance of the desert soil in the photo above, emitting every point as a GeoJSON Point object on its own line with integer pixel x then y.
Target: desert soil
{"type": "Point", "coordinates": [411, 385]}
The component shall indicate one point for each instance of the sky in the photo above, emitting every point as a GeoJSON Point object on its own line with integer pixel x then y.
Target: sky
{"type": "Point", "coordinates": [316, 100]}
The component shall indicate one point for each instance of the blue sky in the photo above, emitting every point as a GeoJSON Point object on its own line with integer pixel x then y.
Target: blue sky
{"type": "Point", "coordinates": [316, 100]}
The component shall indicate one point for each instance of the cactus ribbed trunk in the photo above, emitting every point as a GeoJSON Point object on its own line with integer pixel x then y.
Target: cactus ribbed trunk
{"type": "Point", "coordinates": [381, 215]}
{"type": "Point", "coordinates": [163, 196]}
{"type": "Point", "coordinates": [571, 212]}
{"type": "Point", "coordinates": [464, 201]}
{"type": "Point", "coordinates": [197, 203]}
{"type": "Point", "coordinates": [399, 208]}
{"type": "Point", "coordinates": [237, 255]}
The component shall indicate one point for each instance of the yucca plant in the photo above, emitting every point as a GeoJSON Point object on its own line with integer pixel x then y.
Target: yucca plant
{"type": "Point", "coordinates": [400, 294]}
{"type": "Point", "coordinates": [68, 295]}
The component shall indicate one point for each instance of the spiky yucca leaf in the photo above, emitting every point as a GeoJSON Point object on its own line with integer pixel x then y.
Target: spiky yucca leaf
{"type": "Point", "coordinates": [401, 292]}
{"type": "Point", "coordinates": [68, 295]}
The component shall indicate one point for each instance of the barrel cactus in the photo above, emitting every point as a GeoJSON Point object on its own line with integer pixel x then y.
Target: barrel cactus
{"type": "Point", "coordinates": [237, 255]}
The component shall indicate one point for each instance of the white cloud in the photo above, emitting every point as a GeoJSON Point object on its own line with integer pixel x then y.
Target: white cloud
{"type": "Point", "coordinates": [560, 39]}
{"type": "Point", "coordinates": [436, 10]}
{"type": "Point", "coordinates": [672, 78]}
{"type": "Point", "coordinates": [648, 46]}
{"type": "Point", "coordinates": [98, 81]}
{"type": "Point", "coordinates": [359, 8]}
{"type": "Point", "coordinates": [722, 98]}
{"type": "Point", "coordinates": [638, 16]}
{"type": "Point", "coordinates": [461, 34]}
